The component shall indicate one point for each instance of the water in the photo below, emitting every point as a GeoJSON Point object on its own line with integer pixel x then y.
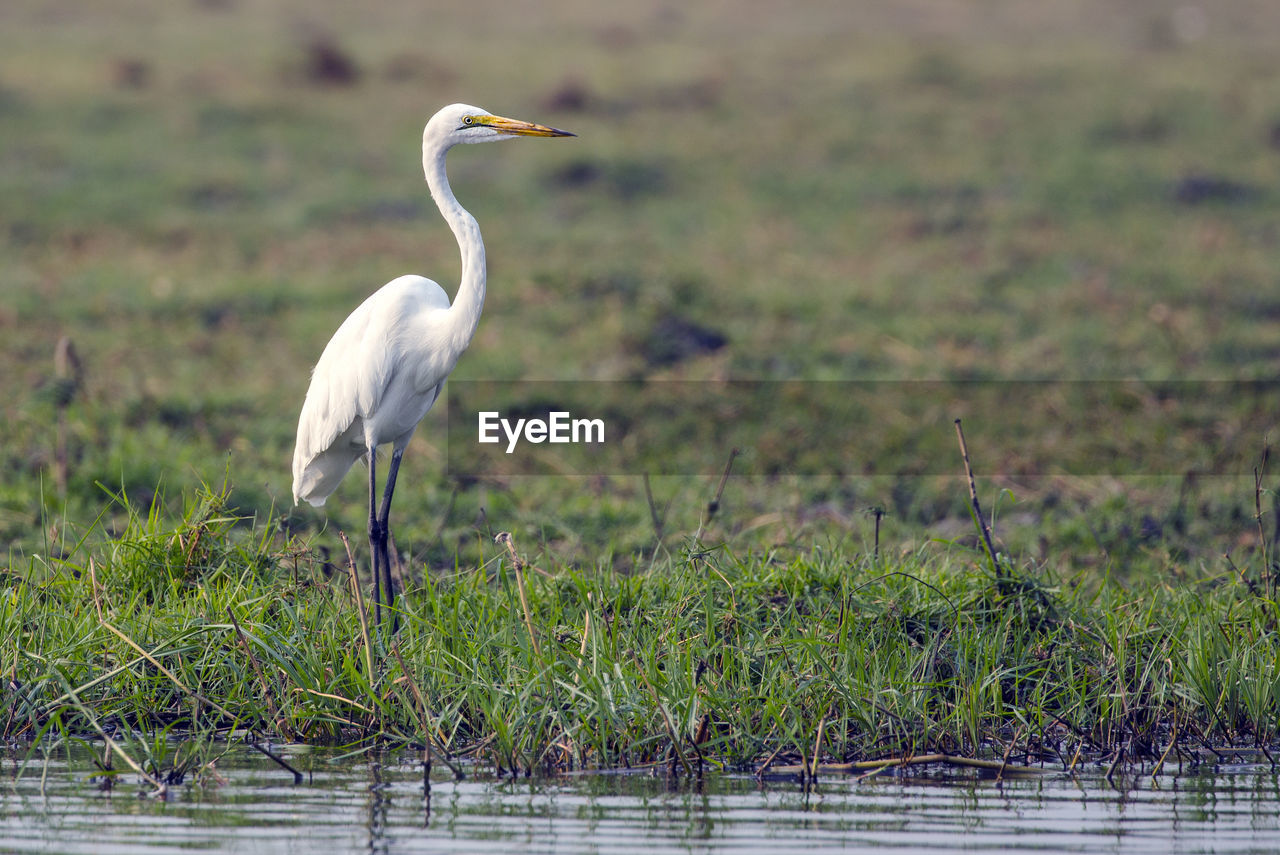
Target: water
{"type": "Point", "coordinates": [352, 804]}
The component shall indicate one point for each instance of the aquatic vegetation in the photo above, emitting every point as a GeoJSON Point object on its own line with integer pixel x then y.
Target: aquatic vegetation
{"type": "Point", "coordinates": [852, 194]}
{"type": "Point", "coordinates": [225, 629]}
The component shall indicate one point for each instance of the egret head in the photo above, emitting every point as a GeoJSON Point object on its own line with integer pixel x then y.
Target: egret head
{"type": "Point", "coordinates": [462, 123]}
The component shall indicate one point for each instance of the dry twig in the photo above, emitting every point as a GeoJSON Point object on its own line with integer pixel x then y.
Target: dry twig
{"type": "Point", "coordinates": [360, 610]}
{"type": "Point", "coordinates": [262, 679]}
{"type": "Point", "coordinates": [518, 564]}
{"type": "Point", "coordinates": [977, 509]}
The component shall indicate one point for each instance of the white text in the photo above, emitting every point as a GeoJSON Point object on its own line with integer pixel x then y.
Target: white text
{"type": "Point", "coordinates": [557, 427]}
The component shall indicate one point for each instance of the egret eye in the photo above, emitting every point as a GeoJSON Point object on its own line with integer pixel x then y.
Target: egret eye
{"type": "Point", "coordinates": [468, 120]}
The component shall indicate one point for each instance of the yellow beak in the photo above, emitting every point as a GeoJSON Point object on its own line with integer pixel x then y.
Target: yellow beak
{"type": "Point", "coordinates": [516, 127]}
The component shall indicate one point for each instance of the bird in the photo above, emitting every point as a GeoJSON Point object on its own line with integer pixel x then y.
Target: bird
{"type": "Point", "coordinates": [385, 366]}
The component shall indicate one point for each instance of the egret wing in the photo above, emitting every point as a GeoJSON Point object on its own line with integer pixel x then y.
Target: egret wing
{"type": "Point", "coordinates": [350, 381]}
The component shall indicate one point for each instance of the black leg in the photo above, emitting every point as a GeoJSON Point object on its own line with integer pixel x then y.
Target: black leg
{"type": "Point", "coordinates": [384, 525]}
{"type": "Point", "coordinates": [377, 537]}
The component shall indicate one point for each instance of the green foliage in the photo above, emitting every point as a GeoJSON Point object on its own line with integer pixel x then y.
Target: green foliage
{"type": "Point", "coordinates": [207, 627]}
{"type": "Point", "coordinates": [834, 191]}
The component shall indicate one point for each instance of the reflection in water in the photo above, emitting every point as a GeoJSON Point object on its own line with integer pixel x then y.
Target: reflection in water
{"type": "Point", "coordinates": [367, 804]}
{"type": "Point", "coordinates": [379, 807]}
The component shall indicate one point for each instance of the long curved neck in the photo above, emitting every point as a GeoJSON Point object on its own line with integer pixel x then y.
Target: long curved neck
{"type": "Point", "coordinates": [469, 301]}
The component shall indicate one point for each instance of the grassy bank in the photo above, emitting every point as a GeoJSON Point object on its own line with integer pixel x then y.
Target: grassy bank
{"type": "Point", "coordinates": [193, 196]}
{"type": "Point", "coordinates": [206, 628]}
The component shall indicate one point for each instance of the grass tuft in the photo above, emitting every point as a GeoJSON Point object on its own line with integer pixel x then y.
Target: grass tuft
{"type": "Point", "coordinates": [206, 627]}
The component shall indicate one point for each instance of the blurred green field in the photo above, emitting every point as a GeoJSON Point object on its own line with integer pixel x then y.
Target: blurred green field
{"type": "Point", "coordinates": [841, 191]}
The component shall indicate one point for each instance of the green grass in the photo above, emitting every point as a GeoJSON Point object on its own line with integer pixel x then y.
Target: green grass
{"type": "Point", "coordinates": [1048, 192]}
{"type": "Point", "coordinates": [896, 656]}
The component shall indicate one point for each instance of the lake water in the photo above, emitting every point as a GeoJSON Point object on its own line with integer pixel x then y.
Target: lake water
{"type": "Point", "coordinates": [354, 805]}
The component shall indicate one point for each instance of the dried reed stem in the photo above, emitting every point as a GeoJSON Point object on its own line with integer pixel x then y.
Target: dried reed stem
{"type": "Point", "coordinates": [422, 710]}
{"type": "Point", "coordinates": [262, 679]}
{"type": "Point", "coordinates": [714, 505]}
{"type": "Point", "coordinates": [364, 621]}
{"type": "Point", "coordinates": [977, 508]}
{"type": "Point", "coordinates": [1268, 578]}
{"type": "Point", "coordinates": [518, 565]}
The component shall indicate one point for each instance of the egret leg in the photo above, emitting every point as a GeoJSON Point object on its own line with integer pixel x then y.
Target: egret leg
{"type": "Point", "coordinates": [384, 524]}
{"type": "Point", "coordinates": [377, 537]}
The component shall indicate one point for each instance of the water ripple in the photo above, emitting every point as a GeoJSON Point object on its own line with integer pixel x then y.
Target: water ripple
{"type": "Point", "coordinates": [355, 805]}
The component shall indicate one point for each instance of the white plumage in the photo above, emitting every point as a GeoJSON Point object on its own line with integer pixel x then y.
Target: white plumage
{"type": "Point", "coordinates": [385, 366]}
{"type": "Point", "coordinates": [375, 381]}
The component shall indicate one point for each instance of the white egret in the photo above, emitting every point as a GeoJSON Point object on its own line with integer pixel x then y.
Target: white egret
{"type": "Point", "coordinates": [386, 364]}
